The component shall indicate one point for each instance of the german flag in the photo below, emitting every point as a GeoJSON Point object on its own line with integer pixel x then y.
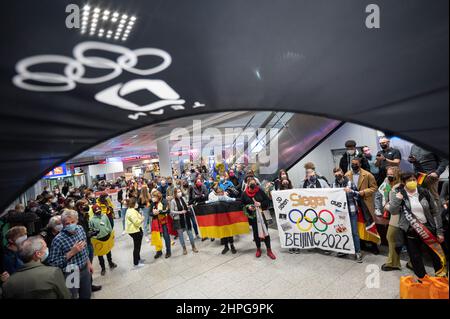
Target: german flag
{"type": "Point", "coordinates": [420, 178]}
{"type": "Point", "coordinates": [221, 219]}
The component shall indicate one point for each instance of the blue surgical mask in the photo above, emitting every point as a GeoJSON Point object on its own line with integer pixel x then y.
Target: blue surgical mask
{"type": "Point", "coordinates": [43, 258]}
{"type": "Point", "coordinates": [71, 228]}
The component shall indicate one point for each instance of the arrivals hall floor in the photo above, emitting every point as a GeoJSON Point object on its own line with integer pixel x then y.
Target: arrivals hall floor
{"type": "Point", "coordinates": [209, 274]}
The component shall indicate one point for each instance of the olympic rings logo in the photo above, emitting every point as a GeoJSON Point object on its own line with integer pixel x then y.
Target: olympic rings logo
{"type": "Point", "coordinates": [311, 221]}
{"type": "Point", "coordinates": [74, 69]}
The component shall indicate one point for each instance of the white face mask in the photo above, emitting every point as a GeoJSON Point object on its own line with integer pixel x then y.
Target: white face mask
{"type": "Point", "coordinates": [59, 227]}
{"type": "Point", "coordinates": [179, 195]}
{"type": "Point", "coordinates": [20, 240]}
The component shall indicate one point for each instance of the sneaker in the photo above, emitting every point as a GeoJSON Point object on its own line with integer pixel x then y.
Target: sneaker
{"type": "Point", "coordinates": [158, 254]}
{"type": "Point", "coordinates": [139, 265]}
{"type": "Point", "coordinates": [197, 237]}
{"type": "Point", "coordinates": [297, 250]}
{"type": "Point", "coordinates": [194, 249]}
{"type": "Point", "coordinates": [291, 250]}
{"type": "Point", "coordinates": [112, 265]}
{"type": "Point", "coordinates": [326, 252]}
{"type": "Point", "coordinates": [233, 250]}
{"type": "Point", "coordinates": [258, 253]}
{"type": "Point", "coordinates": [184, 251]}
{"type": "Point", "coordinates": [385, 267]}
{"type": "Point", "coordinates": [168, 255]}
{"type": "Point", "coordinates": [203, 239]}
{"type": "Point", "coordinates": [225, 250]}
{"type": "Point", "coordinates": [270, 254]}
{"type": "Point", "coordinates": [340, 255]}
{"type": "Point", "coordinates": [103, 272]}
{"type": "Point", "coordinates": [358, 258]}
{"type": "Point", "coordinates": [95, 288]}
{"type": "Point", "coordinates": [213, 239]}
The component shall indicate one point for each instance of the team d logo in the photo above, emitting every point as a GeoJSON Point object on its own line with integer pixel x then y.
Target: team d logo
{"type": "Point", "coordinates": [75, 71]}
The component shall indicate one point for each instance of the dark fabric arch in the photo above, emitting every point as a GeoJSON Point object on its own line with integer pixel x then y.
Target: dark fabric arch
{"type": "Point", "coordinates": [314, 57]}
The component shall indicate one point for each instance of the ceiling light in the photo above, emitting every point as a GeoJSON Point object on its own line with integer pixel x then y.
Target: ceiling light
{"type": "Point", "coordinates": [105, 18]}
{"type": "Point", "coordinates": [124, 16]}
{"type": "Point", "coordinates": [113, 19]}
{"type": "Point", "coordinates": [115, 14]}
{"type": "Point", "coordinates": [97, 10]}
{"type": "Point", "coordinates": [130, 22]}
{"type": "Point", "coordinates": [95, 15]}
{"type": "Point", "coordinates": [85, 13]}
{"type": "Point", "coordinates": [133, 18]}
{"type": "Point", "coordinates": [86, 7]}
{"type": "Point", "coordinates": [106, 12]}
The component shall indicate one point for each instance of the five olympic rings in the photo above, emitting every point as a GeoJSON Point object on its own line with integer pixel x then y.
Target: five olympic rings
{"type": "Point", "coordinates": [312, 222]}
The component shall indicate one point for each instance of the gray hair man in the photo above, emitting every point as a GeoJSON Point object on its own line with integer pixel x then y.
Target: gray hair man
{"type": "Point", "coordinates": [35, 280]}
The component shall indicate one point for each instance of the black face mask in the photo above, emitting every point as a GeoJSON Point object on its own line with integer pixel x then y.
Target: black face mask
{"type": "Point", "coordinates": [85, 209]}
{"type": "Point", "coordinates": [355, 167]}
{"type": "Point", "coordinates": [383, 146]}
{"type": "Point", "coordinates": [339, 178]}
{"type": "Point", "coordinates": [391, 178]}
{"type": "Point", "coordinates": [252, 186]}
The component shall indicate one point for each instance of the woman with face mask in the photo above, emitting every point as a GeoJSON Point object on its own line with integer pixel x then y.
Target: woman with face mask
{"type": "Point", "coordinates": [181, 215]}
{"type": "Point", "coordinates": [162, 224]}
{"type": "Point", "coordinates": [255, 201]}
{"type": "Point", "coordinates": [103, 231]}
{"type": "Point", "coordinates": [53, 228]}
{"type": "Point", "coordinates": [105, 202]}
{"type": "Point", "coordinates": [198, 193]}
{"type": "Point", "coordinates": [133, 227]}
{"type": "Point", "coordinates": [420, 223]}
{"type": "Point", "coordinates": [15, 236]}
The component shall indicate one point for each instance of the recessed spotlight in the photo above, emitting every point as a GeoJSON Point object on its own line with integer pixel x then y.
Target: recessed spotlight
{"type": "Point", "coordinates": [128, 27]}
{"type": "Point", "coordinates": [133, 18]}
{"type": "Point", "coordinates": [97, 10]}
{"type": "Point", "coordinates": [124, 16]}
{"type": "Point", "coordinates": [106, 12]}
{"type": "Point", "coordinates": [86, 7]}
{"type": "Point", "coordinates": [113, 19]}
{"type": "Point", "coordinates": [131, 23]}
{"type": "Point", "coordinates": [105, 17]}
{"type": "Point", "coordinates": [108, 36]}
{"type": "Point", "coordinates": [115, 14]}
{"type": "Point", "coordinates": [121, 25]}
{"type": "Point", "coordinates": [122, 20]}
{"type": "Point", "coordinates": [85, 13]}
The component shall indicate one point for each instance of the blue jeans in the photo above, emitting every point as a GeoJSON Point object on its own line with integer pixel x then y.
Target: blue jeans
{"type": "Point", "coordinates": [354, 223]}
{"type": "Point", "coordinates": [90, 249]}
{"type": "Point", "coordinates": [181, 237]}
{"type": "Point", "coordinates": [123, 212]}
{"type": "Point", "coordinates": [166, 238]}
{"type": "Point", "coordinates": [146, 213]}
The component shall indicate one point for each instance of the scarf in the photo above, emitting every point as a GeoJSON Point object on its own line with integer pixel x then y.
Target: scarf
{"type": "Point", "coordinates": [251, 193]}
{"type": "Point", "coordinates": [260, 224]}
{"type": "Point", "coordinates": [185, 219]}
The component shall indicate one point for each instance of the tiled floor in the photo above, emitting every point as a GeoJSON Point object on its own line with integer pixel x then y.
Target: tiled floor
{"type": "Point", "coordinates": [209, 274]}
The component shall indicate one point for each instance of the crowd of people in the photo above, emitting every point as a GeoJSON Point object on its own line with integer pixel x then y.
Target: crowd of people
{"type": "Point", "coordinates": [46, 238]}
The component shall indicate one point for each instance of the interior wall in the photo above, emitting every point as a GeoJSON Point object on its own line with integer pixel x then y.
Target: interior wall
{"type": "Point", "coordinates": [322, 157]}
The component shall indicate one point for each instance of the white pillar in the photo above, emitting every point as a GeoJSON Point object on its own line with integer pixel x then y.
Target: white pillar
{"type": "Point", "coordinates": [165, 168]}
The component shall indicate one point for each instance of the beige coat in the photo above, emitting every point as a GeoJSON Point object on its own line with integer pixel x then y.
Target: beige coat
{"type": "Point", "coordinates": [368, 185]}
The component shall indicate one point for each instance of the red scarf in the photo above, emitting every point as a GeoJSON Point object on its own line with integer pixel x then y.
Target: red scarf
{"type": "Point", "coordinates": [251, 193]}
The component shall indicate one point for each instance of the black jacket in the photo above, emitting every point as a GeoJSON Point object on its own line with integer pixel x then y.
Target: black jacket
{"type": "Point", "coordinates": [346, 160]}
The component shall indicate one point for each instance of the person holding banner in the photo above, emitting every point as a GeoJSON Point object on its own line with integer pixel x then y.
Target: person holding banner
{"type": "Point", "coordinates": [421, 224]}
{"type": "Point", "coordinates": [182, 219]}
{"type": "Point", "coordinates": [107, 207]}
{"type": "Point", "coordinates": [255, 201]}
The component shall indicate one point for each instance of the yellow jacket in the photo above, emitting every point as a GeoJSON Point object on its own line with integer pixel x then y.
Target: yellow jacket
{"type": "Point", "coordinates": [133, 221]}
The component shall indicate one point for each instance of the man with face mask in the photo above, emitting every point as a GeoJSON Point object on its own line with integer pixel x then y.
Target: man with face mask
{"type": "Point", "coordinates": [69, 252]}
{"type": "Point", "coordinates": [35, 280]}
{"type": "Point", "coordinates": [388, 156]}
{"type": "Point", "coordinates": [313, 181]}
{"type": "Point", "coordinates": [351, 153]}
{"type": "Point", "coordinates": [367, 153]}
{"type": "Point", "coordinates": [15, 236]}
{"type": "Point", "coordinates": [367, 186]}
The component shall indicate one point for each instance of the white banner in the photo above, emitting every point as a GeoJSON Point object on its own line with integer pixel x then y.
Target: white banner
{"type": "Point", "coordinates": [314, 218]}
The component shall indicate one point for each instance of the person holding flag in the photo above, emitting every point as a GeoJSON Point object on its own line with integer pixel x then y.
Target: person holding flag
{"type": "Point", "coordinates": [255, 201]}
{"type": "Point", "coordinates": [421, 224]}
